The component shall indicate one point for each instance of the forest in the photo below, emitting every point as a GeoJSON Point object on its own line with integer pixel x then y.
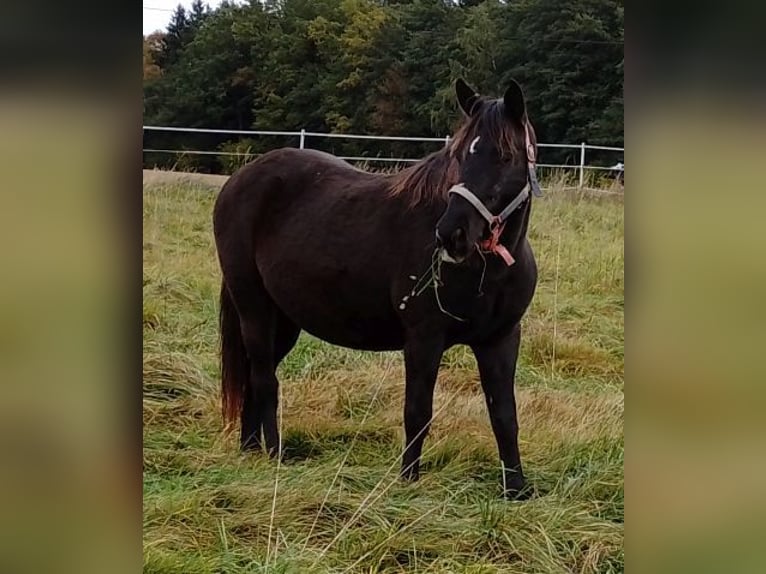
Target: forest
{"type": "Point", "coordinates": [384, 67]}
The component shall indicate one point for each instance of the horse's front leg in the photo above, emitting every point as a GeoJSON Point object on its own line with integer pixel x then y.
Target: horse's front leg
{"type": "Point", "coordinates": [497, 367]}
{"type": "Point", "coordinates": [422, 355]}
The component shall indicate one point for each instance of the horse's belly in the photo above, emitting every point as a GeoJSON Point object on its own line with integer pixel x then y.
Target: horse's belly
{"type": "Point", "coordinates": [357, 335]}
{"type": "Point", "coordinates": [338, 312]}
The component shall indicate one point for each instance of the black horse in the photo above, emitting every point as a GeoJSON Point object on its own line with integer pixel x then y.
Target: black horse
{"type": "Point", "coordinates": [421, 260]}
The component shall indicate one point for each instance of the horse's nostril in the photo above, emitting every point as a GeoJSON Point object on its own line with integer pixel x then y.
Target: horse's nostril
{"type": "Point", "coordinates": [458, 234]}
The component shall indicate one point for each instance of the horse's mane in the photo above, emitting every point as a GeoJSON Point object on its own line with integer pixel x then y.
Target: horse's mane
{"type": "Point", "coordinates": [432, 177]}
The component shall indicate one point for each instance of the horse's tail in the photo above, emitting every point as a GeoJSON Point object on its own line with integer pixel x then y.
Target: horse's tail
{"type": "Point", "coordinates": [235, 366]}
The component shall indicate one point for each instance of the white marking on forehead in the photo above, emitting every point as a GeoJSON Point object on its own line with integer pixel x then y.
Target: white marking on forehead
{"type": "Point", "coordinates": [472, 149]}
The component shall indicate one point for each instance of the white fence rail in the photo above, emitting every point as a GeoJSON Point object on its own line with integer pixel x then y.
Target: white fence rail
{"type": "Point", "coordinates": [303, 134]}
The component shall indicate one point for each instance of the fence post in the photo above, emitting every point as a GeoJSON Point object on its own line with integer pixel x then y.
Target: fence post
{"type": "Point", "coordinates": [582, 164]}
{"type": "Point", "coordinates": [303, 138]}
{"type": "Point", "coordinates": [446, 141]}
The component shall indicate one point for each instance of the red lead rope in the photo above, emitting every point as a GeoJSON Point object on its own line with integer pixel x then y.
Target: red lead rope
{"type": "Point", "coordinates": [493, 244]}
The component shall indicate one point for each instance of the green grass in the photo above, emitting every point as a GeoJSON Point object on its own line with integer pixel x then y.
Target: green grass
{"type": "Point", "coordinates": [208, 508]}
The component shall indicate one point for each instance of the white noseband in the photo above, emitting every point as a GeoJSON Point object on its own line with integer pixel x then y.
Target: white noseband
{"type": "Point", "coordinates": [468, 195]}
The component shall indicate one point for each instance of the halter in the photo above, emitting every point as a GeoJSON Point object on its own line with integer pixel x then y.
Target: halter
{"type": "Point", "coordinates": [497, 222]}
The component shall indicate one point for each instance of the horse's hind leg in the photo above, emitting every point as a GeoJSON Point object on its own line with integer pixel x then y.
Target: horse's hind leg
{"type": "Point", "coordinates": [266, 382]}
{"type": "Point", "coordinates": [285, 337]}
{"type": "Point", "coordinates": [257, 323]}
{"type": "Point", "coordinates": [267, 336]}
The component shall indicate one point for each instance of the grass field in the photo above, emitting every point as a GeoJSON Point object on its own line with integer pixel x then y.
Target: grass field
{"type": "Point", "coordinates": [208, 508]}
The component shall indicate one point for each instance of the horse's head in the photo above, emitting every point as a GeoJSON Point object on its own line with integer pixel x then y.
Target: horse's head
{"type": "Point", "coordinates": [495, 149]}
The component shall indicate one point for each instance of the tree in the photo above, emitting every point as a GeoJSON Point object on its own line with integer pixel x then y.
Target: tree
{"type": "Point", "coordinates": [567, 54]}
{"type": "Point", "coordinates": [175, 38]}
{"type": "Point", "coordinates": [152, 47]}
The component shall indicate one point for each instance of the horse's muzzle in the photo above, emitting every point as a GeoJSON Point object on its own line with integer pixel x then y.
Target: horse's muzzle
{"type": "Point", "coordinates": [455, 245]}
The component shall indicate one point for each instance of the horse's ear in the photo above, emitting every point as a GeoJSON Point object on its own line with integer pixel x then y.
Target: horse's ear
{"type": "Point", "coordinates": [466, 96]}
{"type": "Point", "coordinates": [513, 101]}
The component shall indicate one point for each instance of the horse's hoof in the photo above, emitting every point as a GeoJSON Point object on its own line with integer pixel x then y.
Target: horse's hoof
{"type": "Point", "coordinates": [521, 491]}
{"type": "Point", "coordinates": [274, 453]}
{"type": "Point", "coordinates": [251, 447]}
{"type": "Point", "coordinates": [409, 475]}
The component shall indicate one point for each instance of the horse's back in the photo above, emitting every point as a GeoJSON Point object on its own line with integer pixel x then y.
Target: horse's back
{"type": "Point", "coordinates": [286, 182]}
{"type": "Point", "coordinates": [288, 165]}
{"type": "Point", "coordinates": [282, 180]}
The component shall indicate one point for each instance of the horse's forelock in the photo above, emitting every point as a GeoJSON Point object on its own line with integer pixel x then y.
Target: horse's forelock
{"type": "Point", "coordinates": [490, 123]}
{"type": "Point", "coordinates": [431, 178]}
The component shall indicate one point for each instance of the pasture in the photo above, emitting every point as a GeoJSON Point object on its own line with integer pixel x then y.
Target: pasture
{"type": "Point", "coordinates": [207, 508]}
